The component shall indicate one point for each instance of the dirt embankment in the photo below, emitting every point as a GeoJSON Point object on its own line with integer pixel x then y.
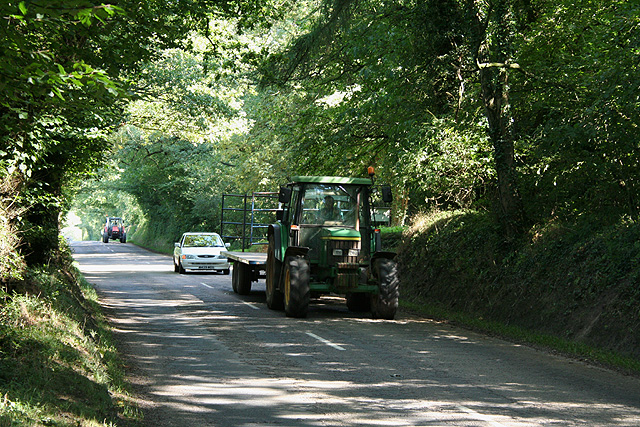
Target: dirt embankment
{"type": "Point", "coordinates": [575, 283]}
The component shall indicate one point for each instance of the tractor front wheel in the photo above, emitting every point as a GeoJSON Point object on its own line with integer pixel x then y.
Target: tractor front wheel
{"type": "Point", "coordinates": [296, 286]}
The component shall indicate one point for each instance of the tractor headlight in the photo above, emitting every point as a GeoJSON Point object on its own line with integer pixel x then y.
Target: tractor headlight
{"type": "Point", "coordinates": [354, 252]}
{"type": "Point", "coordinates": [337, 252]}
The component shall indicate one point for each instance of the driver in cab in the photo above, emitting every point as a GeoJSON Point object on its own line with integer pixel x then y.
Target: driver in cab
{"type": "Point", "coordinates": [329, 211]}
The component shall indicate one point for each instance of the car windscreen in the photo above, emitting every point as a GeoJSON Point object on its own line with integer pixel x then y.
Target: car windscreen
{"type": "Point", "coordinates": [202, 241]}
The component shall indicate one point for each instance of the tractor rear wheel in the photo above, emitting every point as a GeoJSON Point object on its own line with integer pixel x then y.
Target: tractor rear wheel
{"type": "Point", "coordinates": [296, 286]}
{"type": "Point", "coordinates": [384, 304]}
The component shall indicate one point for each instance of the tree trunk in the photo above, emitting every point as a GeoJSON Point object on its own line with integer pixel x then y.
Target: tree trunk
{"type": "Point", "coordinates": [495, 97]}
{"type": "Point", "coordinates": [492, 57]}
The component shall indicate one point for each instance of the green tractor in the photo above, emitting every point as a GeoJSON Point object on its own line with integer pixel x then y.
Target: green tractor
{"type": "Point", "coordinates": [325, 241]}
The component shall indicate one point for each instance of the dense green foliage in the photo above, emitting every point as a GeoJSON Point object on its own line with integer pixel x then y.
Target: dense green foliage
{"type": "Point", "coordinates": [69, 68]}
{"type": "Point", "coordinates": [458, 104]}
{"type": "Point", "coordinates": [575, 281]}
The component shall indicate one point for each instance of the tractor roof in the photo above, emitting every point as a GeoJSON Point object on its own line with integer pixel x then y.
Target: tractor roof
{"type": "Point", "coordinates": [331, 180]}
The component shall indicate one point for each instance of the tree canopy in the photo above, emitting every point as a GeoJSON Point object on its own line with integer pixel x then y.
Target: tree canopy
{"type": "Point", "coordinates": [526, 109]}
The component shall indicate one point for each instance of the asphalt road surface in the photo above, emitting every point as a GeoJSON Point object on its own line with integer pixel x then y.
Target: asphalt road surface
{"type": "Point", "coordinates": [204, 356]}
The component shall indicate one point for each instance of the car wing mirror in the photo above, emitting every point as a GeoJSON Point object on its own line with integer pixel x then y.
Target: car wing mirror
{"type": "Point", "coordinates": [227, 245]}
{"type": "Point", "coordinates": [177, 245]}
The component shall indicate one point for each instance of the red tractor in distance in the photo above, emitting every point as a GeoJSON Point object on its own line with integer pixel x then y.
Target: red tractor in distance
{"type": "Point", "coordinates": [114, 229]}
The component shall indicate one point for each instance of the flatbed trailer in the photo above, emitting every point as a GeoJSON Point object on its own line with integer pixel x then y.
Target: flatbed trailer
{"type": "Point", "coordinates": [244, 220]}
{"type": "Point", "coordinates": [325, 240]}
{"type": "Point", "coordinates": [247, 267]}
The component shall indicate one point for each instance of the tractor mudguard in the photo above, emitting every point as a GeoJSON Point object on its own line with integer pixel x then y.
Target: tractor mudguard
{"type": "Point", "coordinates": [378, 255]}
{"type": "Point", "coordinates": [296, 251]}
{"type": "Point", "coordinates": [275, 233]}
{"type": "Point", "coordinates": [383, 254]}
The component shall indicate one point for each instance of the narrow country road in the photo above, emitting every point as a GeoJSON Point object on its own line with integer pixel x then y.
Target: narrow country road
{"type": "Point", "coordinates": [204, 356]}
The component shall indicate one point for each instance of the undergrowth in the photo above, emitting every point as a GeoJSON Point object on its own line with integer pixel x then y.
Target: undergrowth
{"type": "Point", "coordinates": [58, 364]}
{"type": "Point", "coordinates": [572, 287]}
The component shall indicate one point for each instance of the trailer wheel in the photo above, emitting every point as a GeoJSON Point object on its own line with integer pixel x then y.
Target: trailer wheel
{"type": "Point", "coordinates": [234, 278]}
{"type": "Point", "coordinates": [275, 298]}
{"type": "Point", "coordinates": [384, 304]}
{"type": "Point", "coordinates": [241, 278]}
{"type": "Point", "coordinates": [296, 286]}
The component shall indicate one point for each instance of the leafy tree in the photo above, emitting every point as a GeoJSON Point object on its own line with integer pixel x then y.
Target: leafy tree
{"type": "Point", "coordinates": [489, 76]}
{"type": "Point", "coordinates": [66, 64]}
{"type": "Point", "coordinates": [577, 110]}
{"type": "Point", "coordinates": [376, 83]}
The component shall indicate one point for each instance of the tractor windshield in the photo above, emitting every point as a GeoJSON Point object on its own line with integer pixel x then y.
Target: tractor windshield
{"type": "Point", "coordinates": [331, 205]}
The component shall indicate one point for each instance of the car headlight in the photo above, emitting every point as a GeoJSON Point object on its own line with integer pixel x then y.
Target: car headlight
{"type": "Point", "coordinates": [188, 257]}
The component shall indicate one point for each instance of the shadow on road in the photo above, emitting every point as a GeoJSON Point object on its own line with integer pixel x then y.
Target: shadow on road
{"type": "Point", "coordinates": [204, 356]}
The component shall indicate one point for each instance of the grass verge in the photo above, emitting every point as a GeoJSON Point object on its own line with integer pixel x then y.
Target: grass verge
{"type": "Point", "coordinates": [58, 363]}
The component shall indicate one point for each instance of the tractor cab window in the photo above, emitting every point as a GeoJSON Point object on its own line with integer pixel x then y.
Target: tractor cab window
{"type": "Point", "coordinates": [330, 205]}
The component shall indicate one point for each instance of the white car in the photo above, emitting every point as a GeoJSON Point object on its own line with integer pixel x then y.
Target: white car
{"type": "Point", "coordinates": [200, 251]}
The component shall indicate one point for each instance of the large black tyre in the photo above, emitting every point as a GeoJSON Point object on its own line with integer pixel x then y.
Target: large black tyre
{"type": "Point", "coordinates": [234, 278]}
{"type": "Point", "coordinates": [296, 286]}
{"type": "Point", "coordinates": [241, 278]}
{"type": "Point", "coordinates": [123, 239]}
{"type": "Point", "coordinates": [105, 238]}
{"type": "Point", "coordinates": [385, 304]}
{"type": "Point", "coordinates": [275, 298]}
{"type": "Point", "coordinates": [359, 302]}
